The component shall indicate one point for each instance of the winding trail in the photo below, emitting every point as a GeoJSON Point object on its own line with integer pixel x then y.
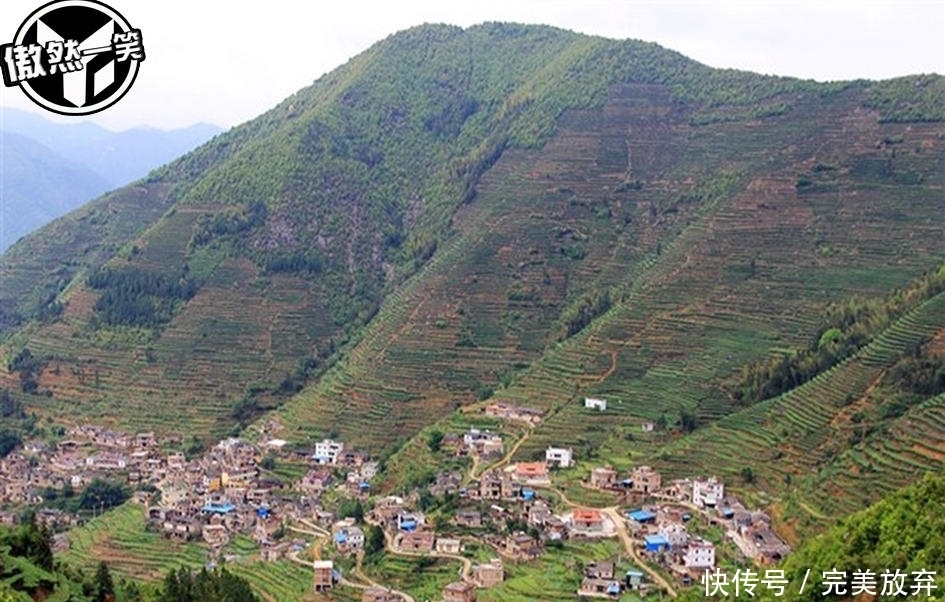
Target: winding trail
{"type": "Point", "coordinates": [613, 512]}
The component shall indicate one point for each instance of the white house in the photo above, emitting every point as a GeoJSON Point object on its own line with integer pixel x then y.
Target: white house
{"type": "Point", "coordinates": [562, 456]}
{"type": "Point", "coordinates": [599, 404]}
{"type": "Point", "coordinates": [707, 492]}
{"type": "Point", "coordinates": [700, 554]}
{"type": "Point", "coordinates": [328, 451]}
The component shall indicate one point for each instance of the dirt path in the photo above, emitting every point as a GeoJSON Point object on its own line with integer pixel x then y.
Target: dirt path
{"type": "Point", "coordinates": [507, 458]}
{"type": "Point", "coordinates": [628, 544]}
{"type": "Point", "coordinates": [613, 513]}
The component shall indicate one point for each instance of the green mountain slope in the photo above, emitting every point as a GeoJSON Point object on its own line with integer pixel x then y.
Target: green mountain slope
{"type": "Point", "coordinates": [455, 214]}
{"type": "Point", "coordinates": [903, 532]}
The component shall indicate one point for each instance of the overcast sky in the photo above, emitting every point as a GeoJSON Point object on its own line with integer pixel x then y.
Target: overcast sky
{"type": "Point", "coordinates": [207, 62]}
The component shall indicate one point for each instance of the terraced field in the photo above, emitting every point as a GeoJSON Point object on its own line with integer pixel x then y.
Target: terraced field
{"type": "Point", "coordinates": [120, 539]}
{"type": "Point", "coordinates": [204, 361]}
{"type": "Point", "coordinates": [797, 437]}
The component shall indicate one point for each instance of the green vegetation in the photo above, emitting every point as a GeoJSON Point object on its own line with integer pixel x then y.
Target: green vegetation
{"type": "Point", "coordinates": [847, 327]}
{"type": "Point", "coordinates": [133, 297]}
{"type": "Point", "coordinates": [522, 214]}
{"type": "Point", "coordinates": [905, 531]}
{"type": "Point", "coordinates": [184, 585]}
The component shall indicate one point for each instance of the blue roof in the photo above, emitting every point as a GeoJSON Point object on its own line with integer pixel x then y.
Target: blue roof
{"type": "Point", "coordinates": [656, 540]}
{"type": "Point", "coordinates": [364, 485]}
{"type": "Point", "coordinates": [634, 573]}
{"type": "Point", "coordinates": [218, 508]}
{"type": "Point", "coordinates": [641, 515]}
{"type": "Point", "coordinates": [341, 537]}
{"type": "Point", "coordinates": [613, 588]}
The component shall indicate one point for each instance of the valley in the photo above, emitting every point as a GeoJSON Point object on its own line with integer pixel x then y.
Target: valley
{"type": "Point", "coordinates": [562, 267]}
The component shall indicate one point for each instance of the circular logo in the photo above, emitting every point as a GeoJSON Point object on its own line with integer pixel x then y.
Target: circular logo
{"type": "Point", "coordinates": [73, 57]}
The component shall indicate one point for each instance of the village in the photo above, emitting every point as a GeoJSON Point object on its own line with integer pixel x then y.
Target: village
{"type": "Point", "coordinates": [513, 508]}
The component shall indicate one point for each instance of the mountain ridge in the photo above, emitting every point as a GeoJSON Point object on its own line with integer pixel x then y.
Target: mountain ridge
{"type": "Point", "coordinates": [417, 231]}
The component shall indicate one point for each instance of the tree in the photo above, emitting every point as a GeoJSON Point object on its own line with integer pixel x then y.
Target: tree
{"type": "Point", "coordinates": [351, 509]}
{"type": "Point", "coordinates": [687, 420]}
{"type": "Point", "coordinates": [374, 542]}
{"type": "Point", "coordinates": [748, 475]}
{"type": "Point", "coordinates": [104, 587]}
{"type": "Point", "coordinates": [434, 440]}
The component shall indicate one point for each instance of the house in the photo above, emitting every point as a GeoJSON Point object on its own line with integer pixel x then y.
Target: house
{"type": "Point", "coordinates": [538, 513]}
{"type": "Point", "coordinates": [489, 574]}
{"type": "Point", "coordinates": [489, 487]}
{"type": "Point", "coordinates": [509, 489]}
{"type": "Point", "coordinates": [645, 480]}
{"type": "Point", "coordinates": [586, 521]}
{"type": "Point", "coordinates": [348, 538]}
{"type": "Point", "coordinates": [513, 412]}
{"type": "Point", "coordinates": [675, 533]}
{"type": "Point", "coordinates": [379, 594]}
{"type": "Point", "coordinates": [328, 451]}
{"type": "Point", "coordinates": [563, 457]}
{"type": "Point", "coordinates": [459, 591]}
{"type": "Point", "coordinates": [648, 427]}
{"type": "Point", "coordinates": [522, 546]}
{"type": "Point", "coordinates": [591, 586]}
{"type": "Point", "coordinates": [446, 483]}
{"type": "Point", "coordinates": [707, 492]}
{"type": "Point", "coordinates": [323, 578]}
{"type": "Point", "coordinates": [634, 579]}
{"type": "Point", "coordinates": [763, 544]}
{"type": "Point", "coordinates": [315, 481]}
{"type": "Point", "coordinates": [215, 535]}
{"type": "Point", "coordinates": [533, 473]}
{"type": "Point", "coordinates": [417, 541]}
{"type": "Point", "coordinates": [641, 516]}
{"type": "Point", "coordinates": [597, 404]}
{"type": "Point", "coordinates": [554, 529]}
{"type": "Point", "coordinates": [484, 444]}
{"type": "Point", "coordinates": [448, 545]}
{"type": "Point", "coordinates": [275, 553]}
{"type": "Point", "coordinates": [603, 477]}
{"type": "Point", "coordinates": [656, 543]}
{"type": "Point", "coordinates": [410, 521]}
{"type": "Point", "coordinates": [468, 517]}
{"type": "Point", "coordinates": [699, 554]}
{"type": "Point", "coordinates": [603, 569]}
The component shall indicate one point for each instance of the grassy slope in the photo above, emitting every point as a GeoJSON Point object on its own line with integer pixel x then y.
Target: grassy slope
{"type": "Point", "coordinates": [714, 253]}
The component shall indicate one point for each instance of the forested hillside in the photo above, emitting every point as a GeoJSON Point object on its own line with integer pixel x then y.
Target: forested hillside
{"type": "Point", "coordinates": [522, 214]}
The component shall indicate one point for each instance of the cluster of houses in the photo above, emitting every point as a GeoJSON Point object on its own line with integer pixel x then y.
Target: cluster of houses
{"type": "Point", "coordinates": [484, 445]}
{"type": "Point", "coordinates": [85, 454]}
{"type": "Point", "coordinates": [663, 529]}
{"type": "Point", "coordinates": [600, 579]}
{"type": "Point", "coordinates": [222, 494]}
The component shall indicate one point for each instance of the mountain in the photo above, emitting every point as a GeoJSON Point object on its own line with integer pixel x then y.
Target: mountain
{"type": "Point", "coordinates": [119, 157]}
{"type": "Point", "coordinates": [39, 185]}
{"type": "Point", "coordinates": [50, 168]}
{"type": "Point", "coordinates": [521, 214]}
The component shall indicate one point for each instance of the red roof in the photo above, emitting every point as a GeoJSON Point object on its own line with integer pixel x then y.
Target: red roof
{"type": "Point", "coordinates": [586, 515]}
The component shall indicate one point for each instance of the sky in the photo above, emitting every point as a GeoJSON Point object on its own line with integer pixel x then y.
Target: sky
{"type": "Point", "coordinates": [206, 62]}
